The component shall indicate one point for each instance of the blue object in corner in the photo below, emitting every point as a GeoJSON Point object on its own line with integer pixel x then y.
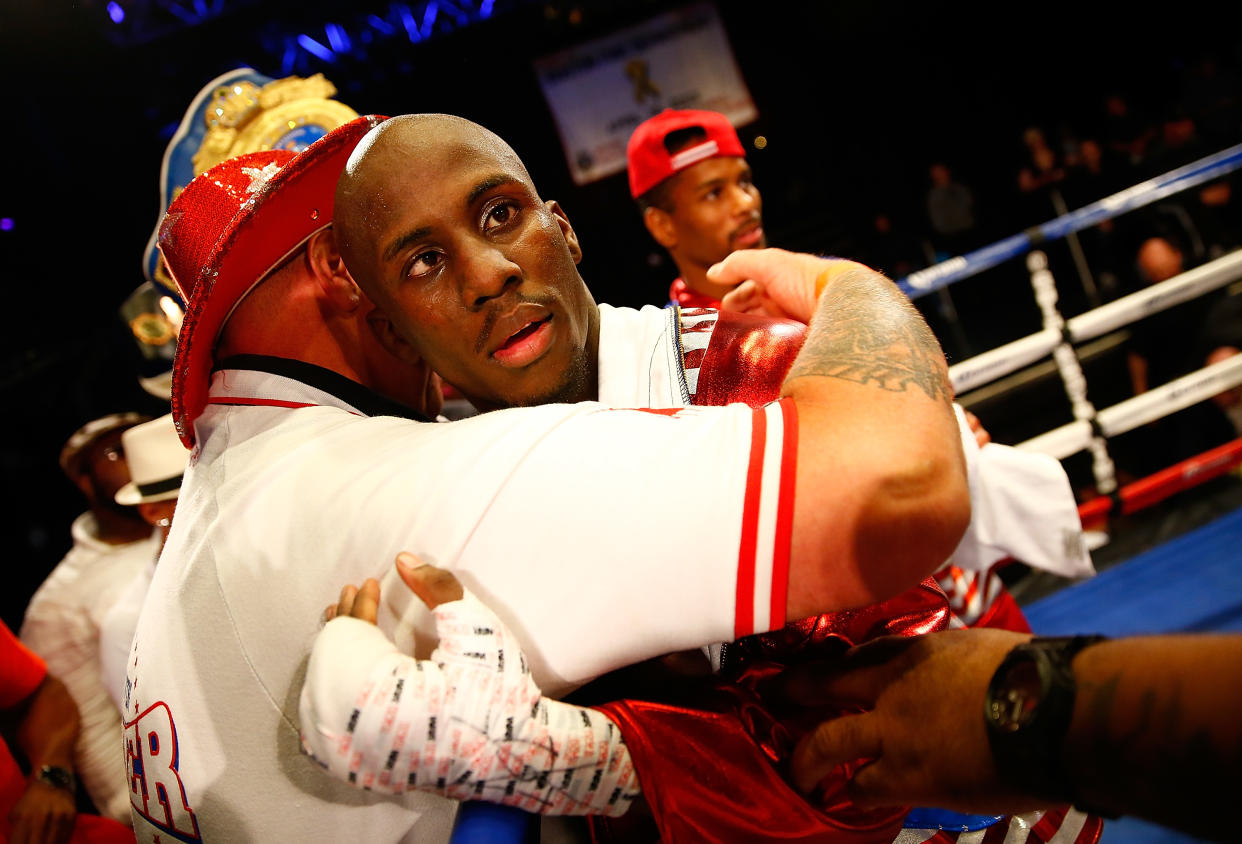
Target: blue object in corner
{"type": "Point", "coordinates": [489, 823]}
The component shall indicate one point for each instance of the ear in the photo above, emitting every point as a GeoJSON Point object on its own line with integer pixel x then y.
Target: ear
{"type": "Point", "coordinates": [659, 224]}
{"type": "Point", "coordinates": [571, 237]}
{"type": "Point", "coordinates": [388, 336]}
{"type": "Point", "coordinates": [338, 286]}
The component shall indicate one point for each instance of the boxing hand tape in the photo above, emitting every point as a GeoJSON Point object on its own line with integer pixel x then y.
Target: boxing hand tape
{"type": "Point", "coordinates": [468, 724]}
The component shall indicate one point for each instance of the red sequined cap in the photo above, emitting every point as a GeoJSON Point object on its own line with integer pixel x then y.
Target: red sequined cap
{"type": "Point", "coordinates": [228, 229]}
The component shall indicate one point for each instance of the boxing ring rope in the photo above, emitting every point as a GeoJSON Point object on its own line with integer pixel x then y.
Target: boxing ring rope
{"type": "Point", "coordinates": [1144, 193]}
{"type": "Point", "coordinates": [1092, 428]}
{"type": "Point", "coordinates": [995, 363]}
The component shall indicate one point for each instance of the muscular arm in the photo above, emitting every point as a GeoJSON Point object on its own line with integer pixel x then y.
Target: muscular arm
{"type": "Point", "coordinates": [882, 498]}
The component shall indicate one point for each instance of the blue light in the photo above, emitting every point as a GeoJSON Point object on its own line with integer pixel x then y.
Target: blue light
{"type": "Point", "coordinates": [310, 45]}
{"type": "Point", "coordinates": [407, 20]}
{"type": "Point", "coordinates": [380, 25]}
{"type": "Point", "coordinates": [337, 38]}
{"type": "Point", "coordinates": [6, 224]}
{"type": "Point", "coordinates": [429, 17]}
{"type": "Point", "coordinates": [116, 12]}
{"type": "Point", "coordinates": [289, 58]}
{"type": "Point", "coordinates": [185, 15]}
{"type": "Point", "coordinates": [485, 9]}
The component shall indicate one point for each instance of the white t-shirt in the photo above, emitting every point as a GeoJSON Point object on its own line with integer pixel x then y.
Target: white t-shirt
{"type": "Point", "coordinates": [296, 488]}
{"type": "Point", "coordinates": [116, 634]}
{"type": "Point", "coordinates": [62, 624]}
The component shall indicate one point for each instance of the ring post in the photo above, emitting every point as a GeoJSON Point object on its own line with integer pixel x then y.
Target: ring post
{"type": "Point", "coordinates": [1070, 369]}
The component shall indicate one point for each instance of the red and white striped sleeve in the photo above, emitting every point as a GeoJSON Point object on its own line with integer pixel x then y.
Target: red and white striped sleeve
{"type": "Point", "coordinates": [767, 520]}
{"type": "Point", "coordinates": [606, 537]}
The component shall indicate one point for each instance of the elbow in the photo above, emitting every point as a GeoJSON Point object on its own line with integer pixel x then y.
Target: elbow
{"type": "Point", "coordinates": [915, 520]}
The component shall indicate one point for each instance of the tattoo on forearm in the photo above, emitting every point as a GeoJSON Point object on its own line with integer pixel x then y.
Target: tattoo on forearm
{"type": "Point", "coordinates": [1149, 747]}
{"type": "Point", "coordinates": [868, 332]}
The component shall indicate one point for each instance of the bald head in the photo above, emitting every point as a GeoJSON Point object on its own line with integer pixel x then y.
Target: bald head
{"type": "Point", "coordinates": [1159, 260]}
{"type": "Point", "coordinates": [380, 167]}
{"type": "Point", "coordinates": [440, 223]}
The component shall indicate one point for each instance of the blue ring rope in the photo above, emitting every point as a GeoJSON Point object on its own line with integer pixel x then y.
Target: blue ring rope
{"type": "Point", "coordinates": [1144, 193]}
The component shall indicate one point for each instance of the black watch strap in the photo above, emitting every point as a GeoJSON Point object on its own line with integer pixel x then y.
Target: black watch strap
{"type": "Point", "coordinates": [1028, 709]}
{"type": "Point", "coordinates": [57, 777]}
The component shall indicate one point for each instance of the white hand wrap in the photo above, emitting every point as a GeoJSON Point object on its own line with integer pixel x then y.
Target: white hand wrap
{"type": "Point", "coordinates": [469, 723]}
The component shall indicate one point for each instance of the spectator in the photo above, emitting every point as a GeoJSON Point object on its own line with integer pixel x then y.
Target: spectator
{"type": "Point", "coordinates": [1093, 176]}
{"type": "Point", "coordinates": [694, 188]}
{"type": "Point", "coordinates": [41, 808]}
{"type": "Point", "coordinates": [1222, 337]}
{"type": "Point", "coordinates": [951, 212]}
{"type": "Point", "coordinates": [889, 247]}
{"type": "Point", "coordinates": [1041, 167]}
{"type": "Point", "coordinates": [112, 543]}
{"type": "Point", "coordinates": [1126, 132]}
{"type": "Point", "coordinates": [156, 461]}
{"type": "Point", "coordinates": [1162, 347]}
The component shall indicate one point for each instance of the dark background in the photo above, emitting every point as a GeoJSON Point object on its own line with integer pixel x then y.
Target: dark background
{"type": "Point", "coordinates": [855, 99]}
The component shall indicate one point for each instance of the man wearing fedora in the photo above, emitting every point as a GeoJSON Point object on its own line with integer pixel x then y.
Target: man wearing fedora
{"type": "Point", "coordinates": [111, 543]}
{"type": "Point", "coordinates": [295, 460]}
{"type": "Point", "coordinates": [156, 460]}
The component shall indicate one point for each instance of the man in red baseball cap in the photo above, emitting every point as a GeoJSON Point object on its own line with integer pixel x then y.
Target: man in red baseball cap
{"type": "Point", "coordinates": [689, 175]}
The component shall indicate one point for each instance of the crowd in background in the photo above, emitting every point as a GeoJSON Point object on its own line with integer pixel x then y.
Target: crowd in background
{"type": "Point", "coordinates": [1064, 165]}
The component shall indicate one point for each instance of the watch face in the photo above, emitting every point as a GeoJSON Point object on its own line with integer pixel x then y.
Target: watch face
{"type": "Point", "coordinates": [56, 776]}
{"type": "Point", "coordinates": [1012, 705]}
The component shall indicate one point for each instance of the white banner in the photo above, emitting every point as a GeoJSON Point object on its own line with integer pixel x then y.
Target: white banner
{"type": "Point", "coordinates": [600, 91]}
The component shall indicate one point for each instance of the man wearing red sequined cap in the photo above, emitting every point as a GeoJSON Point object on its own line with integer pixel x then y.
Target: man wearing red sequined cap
{"type": "Point", "coordinates": [689, 175]}
{"type": "Point", "coordinates": [294, 459]}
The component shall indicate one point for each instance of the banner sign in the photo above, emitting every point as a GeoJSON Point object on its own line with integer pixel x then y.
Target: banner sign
{"type": "Point", "coordinates": [601, 90]}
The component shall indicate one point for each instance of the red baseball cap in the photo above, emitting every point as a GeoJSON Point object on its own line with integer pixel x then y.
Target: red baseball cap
{"type": "Point", "coordinates": [649, 160]}
{"type": "Point", "coordinates": [228, 229]}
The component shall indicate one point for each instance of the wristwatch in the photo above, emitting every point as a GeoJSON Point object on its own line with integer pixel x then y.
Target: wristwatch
{"type": "Point", "coordinates": [1027, 710]}
{"type": "Point", "coordinates": [58, 777]}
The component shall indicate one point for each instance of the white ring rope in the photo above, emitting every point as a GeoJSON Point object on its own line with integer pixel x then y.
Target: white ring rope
{"type": "Point", "coordinates": [996, 363]}
{"type": "Point", "coordinates": [1091, 429]}
{"type": "Point", "coordinates": [1127, 415]}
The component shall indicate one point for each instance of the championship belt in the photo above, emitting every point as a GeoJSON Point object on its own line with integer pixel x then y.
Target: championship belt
{"type": "Point", "coordinates": [238, 112]}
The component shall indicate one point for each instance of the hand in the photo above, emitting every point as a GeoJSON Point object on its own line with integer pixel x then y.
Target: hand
{"type": "Point", "coordinates": [924, 734]}
{"type": "Point", "coordinates": [982, 437]}
{"type": "Point", "coordinates": [775, 282]}
{"type": "Point", "coordinates": [470, 723]}
{"type": "Point", "coordinates": [44, 815]}
{"type": "Point", "coordinates": [433, 585]}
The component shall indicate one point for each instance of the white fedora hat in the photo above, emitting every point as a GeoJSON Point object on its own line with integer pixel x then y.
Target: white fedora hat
{"type": "Point", "coordinates": [156, 461]}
